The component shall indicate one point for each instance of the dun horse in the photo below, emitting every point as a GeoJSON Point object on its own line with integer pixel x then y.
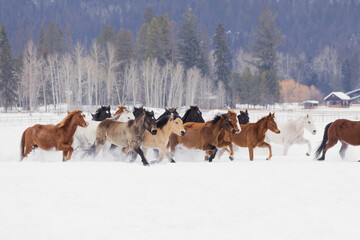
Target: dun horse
{"type": "Point", "coordinates": [343, 130]}
{"type": "Point", "coordinates": [204, 137]}
{"type": "Point", "coordinates": [165, 126]}
{"type": "Point", "coordinates": [58, 136]}
{"type": "Point", "coordinates": [252, 135]}
{"type": "Point", "coordinates": [126, 134]}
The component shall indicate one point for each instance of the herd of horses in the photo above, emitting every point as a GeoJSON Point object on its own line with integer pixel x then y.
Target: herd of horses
{"type": "Point", "coordinates": [134, 132]}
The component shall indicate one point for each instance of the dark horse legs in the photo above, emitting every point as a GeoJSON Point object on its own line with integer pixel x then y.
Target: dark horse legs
{"type": "Point", "coordinates": [143, 159]}
{"type": "Point", "coordinates": [215, 149]}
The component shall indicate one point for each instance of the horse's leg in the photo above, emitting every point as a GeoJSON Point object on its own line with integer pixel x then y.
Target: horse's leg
{"type": "Point", "coordinates": [343, 148]}
{"type": "Point", "coordinates": [143, 159]}
{"type": "Point", "coordinates": [330, 144]}
{"type": "Point", "coordinates": [68, 155]}
{"type": "Point", "coordinates": [286, 148]}
{"type": "Point", "coordinates": [251, 153]}
{"type": "Point", "coordinates": [265, 144]}
{"type": "Point", "coordinates": [65, 153]}
{"type": "Point", "coordinates": [231, 157]}
{"type": "Point", "coordinates": [215, 149]}
{"type": "Point", "coordinates": [165, 151]}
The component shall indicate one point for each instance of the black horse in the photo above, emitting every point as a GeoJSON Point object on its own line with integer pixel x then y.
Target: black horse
{"type": "Point", "coordinates": [101, 113]}
{"type": "Point", "coordinates": [243, 117]}
{"type": "Point", "coordinates": [169, 112]}
{"type": "Point", "coordinates": [193, 115]}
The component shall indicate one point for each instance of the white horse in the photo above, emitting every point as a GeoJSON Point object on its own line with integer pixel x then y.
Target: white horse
{"type": "Point", "coordinates": [85, 137]}
{"type": "Point", "coordinates": [292, 132]}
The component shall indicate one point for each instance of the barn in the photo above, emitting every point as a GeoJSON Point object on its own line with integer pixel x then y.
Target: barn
{"type": "Point", "coordinates": [337, 99]}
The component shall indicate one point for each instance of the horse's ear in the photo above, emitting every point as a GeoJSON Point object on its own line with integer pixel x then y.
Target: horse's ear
{"type": "Point", "coordinates": [307, 115]}
{"type": "Point", "coordinates": [92, 115]}
{"type": "Point", "coordinates": [273, 114]}
{"type": "Point", "coordinates": [246, 111]}
{"type": "Point", "coordinates": [269, 114]}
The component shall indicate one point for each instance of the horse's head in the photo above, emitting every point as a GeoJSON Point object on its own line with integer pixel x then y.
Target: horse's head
{"type": "Point", "coordinates": [243, 117]}
{"type": "Point", "coordinates": [234, 121]}
{"type": "Point", "coordinates": [120, 110]}
{"type": "Point", "coordinates": [101, 113]}
{"type": "Point", "coordinates": [195, 115]}
{"type": "Point", "coordinates": [226, 123]}
{"type": "Point", "coordinates": [125, 116]}
{"type": "Point", "coordinates": [177, 126]}
{"type": "Point", "coordinates": [271, 124]}
{"type": "Point", "coordinates": [309, 124]}
{"type": "Point", "coordinates": [79, 119]}
{"type": "Point", "coordinates": [138, 111]}
{"type": "Point", "coordinates": [171, 112]}
{"type": "Point", "coordinates": [150, 121]}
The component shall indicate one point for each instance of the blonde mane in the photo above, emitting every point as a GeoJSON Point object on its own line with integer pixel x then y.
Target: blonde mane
{"type": "Point", "coordinates": [67, 119]}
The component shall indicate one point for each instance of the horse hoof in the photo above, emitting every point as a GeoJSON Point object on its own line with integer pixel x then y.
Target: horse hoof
{"type": "Point", "coordinates": [231, 158]}
{"type": "Point", "coordinates": [307, 154]}
{"type": "Point", "coordinates": [321, 159]}
{"type": "Point", "coordinates": [172, 161]}
{"type": "Point", "coordinates": [146, 164]}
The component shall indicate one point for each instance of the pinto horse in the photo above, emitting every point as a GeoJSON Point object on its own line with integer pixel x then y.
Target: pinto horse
{"type": "Point", "coordinates": [204, 137]}
{"type": "Point", "coordinates": [120, 110]}
{"type": "Point", "coordinates": [60, 136]}
{"type": "Point", "coordinates": [343, 130]}
{"type": "Point", "coordinates": [252, 135]}
{"type": "Point", "coordinates": [224, 139]}
{"type": "Point", "coordinates": [193, 114]}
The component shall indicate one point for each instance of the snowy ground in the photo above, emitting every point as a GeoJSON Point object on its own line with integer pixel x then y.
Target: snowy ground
{"type": "Point", "coordinates": [292, 197]}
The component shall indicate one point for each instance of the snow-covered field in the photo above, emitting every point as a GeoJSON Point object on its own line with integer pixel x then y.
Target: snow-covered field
{"type": "Point", "coordinates": [292, 197]}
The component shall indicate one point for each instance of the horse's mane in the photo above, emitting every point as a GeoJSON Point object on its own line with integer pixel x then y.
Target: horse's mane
{"type": "Point", "coordinates": [68, 118]}
{"type": "Point", "coordinates": [218, 117]}
{"type": "Point", "coordinates": [160, 123]}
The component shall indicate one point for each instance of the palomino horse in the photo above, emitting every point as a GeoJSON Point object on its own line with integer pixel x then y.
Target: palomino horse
{"type": "Point", "coordinates": [343, 130]}
{"type": "Point", "coordinates": [204, 137]}
{"type": "Point", "coordinates": [85, 137]}
{"type": "Point", "coordinates": [128, 134]}
{"type": "Point", "coordinates": [292, 132]}
{"type": "Point", "coordinates": [252, 135]}
{"type": "Point", "coordinates": [101, 113]}
{"type": "Point", "coordinates": [193, 114]}
{"type": "Point", "coordinates": [165, 126]}
{"type": "Point", "coordinates": [224, 139]}
{"type": "Point", "coordinates": [50, 136]}
{"type": "Point", "coordinates": [121, 109]}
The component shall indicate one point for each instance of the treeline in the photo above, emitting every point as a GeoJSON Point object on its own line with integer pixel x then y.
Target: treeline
{"type": "Point", "coordinates": [164, 65]}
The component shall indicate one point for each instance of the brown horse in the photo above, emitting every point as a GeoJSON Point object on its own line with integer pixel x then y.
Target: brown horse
{"type": "Point", "coordinates": [343, 130]}
{"type": "Point", "coordinates": [121, 109]}
{"type": "Point", "coordinates": [204, 137]}
{"type": "Point", "coordinates": [252, 135]}
{"type": "Point", "coordinates": [224, 139]}
{"type": "Point", "coordinates": [46, 137]}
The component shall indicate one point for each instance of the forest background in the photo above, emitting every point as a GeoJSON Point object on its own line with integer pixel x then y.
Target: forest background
{"type": "Point", "coordinates": [175, 53]}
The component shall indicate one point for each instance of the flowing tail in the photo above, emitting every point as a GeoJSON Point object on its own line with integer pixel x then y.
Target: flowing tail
{"type": "Point", "coordinates": [22, 146]}
{"type": "Point", "coordinates": [324, 141]}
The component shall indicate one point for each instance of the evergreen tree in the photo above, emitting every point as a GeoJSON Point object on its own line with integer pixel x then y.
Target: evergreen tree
{"type": "Point", "coordinates": [148, 15]}
{"type": "Point", "coordinates": [267, 39]}
{"type": "Point", "coordinates": [54, 38]}
{"type": "Point", "coordinates": [8, 79]}
{"type": "Point", "coordinates": [124, 48]}
{"type": "Point", "coordinates": [43, 48]}
{"type": "Point", "coordinates": [189, 41]}
{"type": "Point", "coordinates": [221, 56]}
{"type": "Point", "coordinates": [107, 35]}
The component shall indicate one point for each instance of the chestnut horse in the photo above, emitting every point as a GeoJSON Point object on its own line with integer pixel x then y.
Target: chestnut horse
{"type": "Point", "coordinates": [121, 109]}
{"type": "Point", "coordinates": [204, 137]}
{"type": "Point", "coordinates": [343, 130]}
{"type": "Point", "coordinates": [252, 135]}
{"type": "Point", "coordinates": [224, 139]}
{"type": "Point", "coordinates": [46, 137]}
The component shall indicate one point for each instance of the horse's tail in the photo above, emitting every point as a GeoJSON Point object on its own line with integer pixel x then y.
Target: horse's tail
{"type": "Point", "coordinates": [324, 141]}
{"type": "Point", "coordinates": [22, 146]}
